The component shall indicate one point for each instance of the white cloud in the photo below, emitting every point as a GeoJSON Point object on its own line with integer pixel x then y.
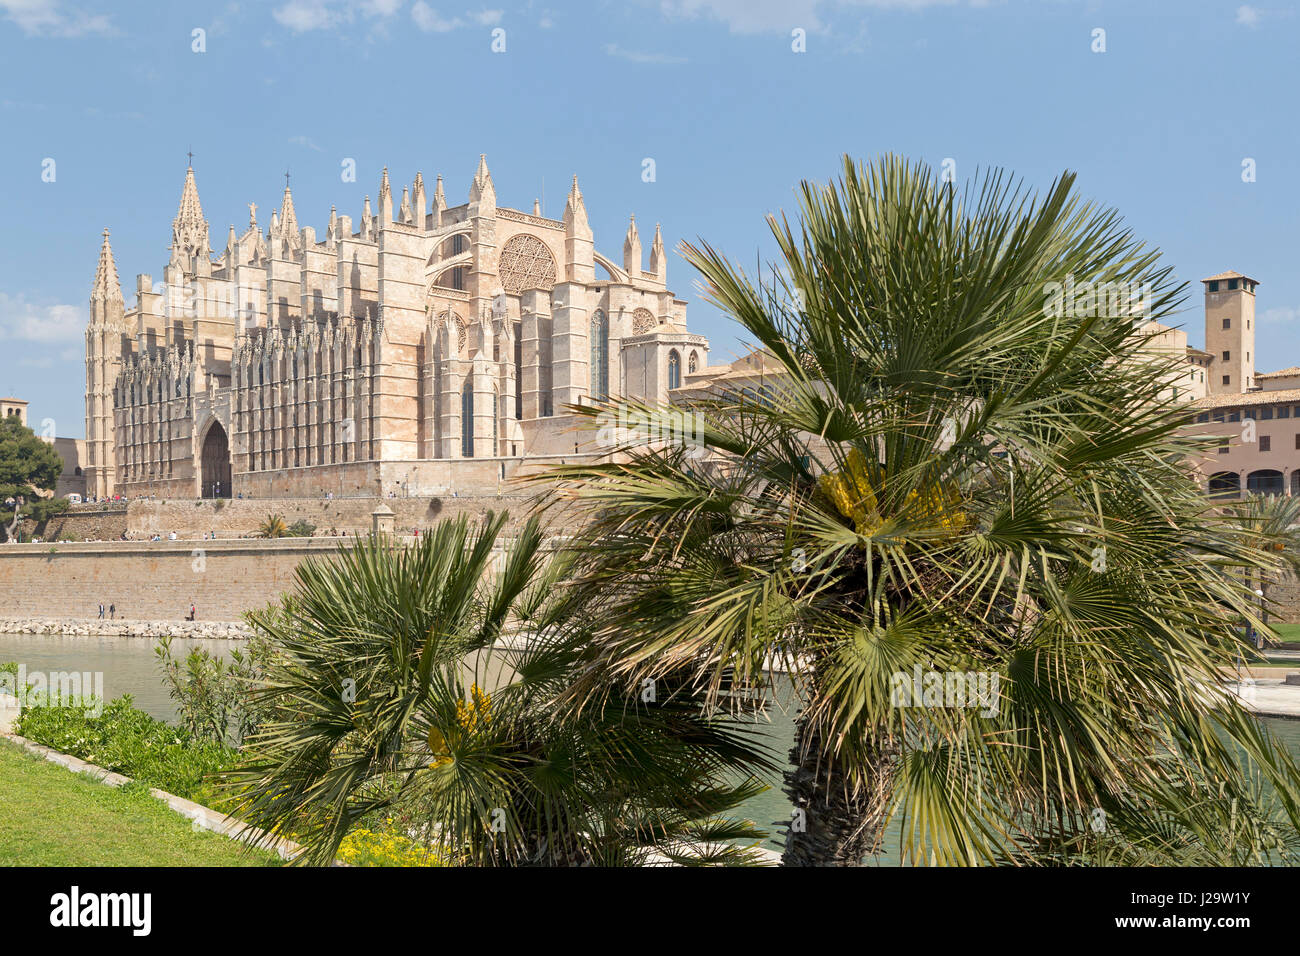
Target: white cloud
{"type": "Point", "coordinates": [45, 324]}
{"type": "Point", "coordinates": [613, 49]}
{"type": "Point", "coordinates": [305, 141]}
{"type": "Point", "coordinates": [431, 21]}
{"type": "Point", "coordinates": [1248, 16]}
{"type": "Point", "coordinates": [302, 16]}
{"type": "Point", "coordinates": [51, 18]}
{"type": "Point", "coordinates": [1282, 314]}
{"type": "Point", "coordinates": [782, 16]}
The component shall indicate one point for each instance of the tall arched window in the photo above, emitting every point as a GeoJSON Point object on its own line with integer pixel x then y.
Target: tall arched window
{"type": "Point", "coordinates": [674, 369]}
{"type": "Point", "coordinates": [599, 355]}
{"type": "Point", "coordinates": [467, 421]}
{"type": "Point", "coordinates": [693, 363]}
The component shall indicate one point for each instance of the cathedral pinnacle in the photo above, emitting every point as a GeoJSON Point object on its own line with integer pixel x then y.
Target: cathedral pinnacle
{"type": "Point", "coordinates": [658, 261]}
{"type": "Point", "coordinates": [107, 287]}
{"type": "Point", "coordinates": [385, 201]}
{"type": "Point", "coordinates": [481, 189]}
{"type": "Point", "coordinates": [632, 249]}
{"type": "Point", "coordinates": [575, 212]}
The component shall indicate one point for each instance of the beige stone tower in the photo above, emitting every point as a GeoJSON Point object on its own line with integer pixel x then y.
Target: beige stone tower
{"type": "Point", "coordinates": [104, 344]}
{"type": "Point", "coordinates": [1230, 332]}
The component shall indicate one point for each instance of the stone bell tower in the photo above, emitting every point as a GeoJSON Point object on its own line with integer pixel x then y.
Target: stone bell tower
{"type": "Point", "coordinates": [104, 343]}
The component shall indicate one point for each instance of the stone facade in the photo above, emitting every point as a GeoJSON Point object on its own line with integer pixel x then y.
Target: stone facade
{"type": "Point", "coordinates": [151, 581]}
{"type": "Point", "coordinates": [431, 345]}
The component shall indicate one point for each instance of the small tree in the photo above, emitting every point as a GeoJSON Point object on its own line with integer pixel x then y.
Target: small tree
{"type": "Point", "coordinates": [28, 467]}
{"type": "Point", "coordinates": [273, 527]}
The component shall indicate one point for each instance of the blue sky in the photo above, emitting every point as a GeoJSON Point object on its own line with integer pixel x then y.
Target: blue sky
{"type": "Point", "coordinates": [1158, 126]}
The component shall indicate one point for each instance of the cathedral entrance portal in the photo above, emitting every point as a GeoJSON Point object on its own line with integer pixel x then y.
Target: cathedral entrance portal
{"type": "Point", "coordinates": [215, 464]}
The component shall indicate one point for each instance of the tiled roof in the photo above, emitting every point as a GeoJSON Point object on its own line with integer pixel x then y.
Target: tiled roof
{"type": "Point", "coordinates": [1281, 373]}
{"type": "Point", "coordinates": [1230, 274]}
{"type": "Point", "coordinates": [1281, 396]}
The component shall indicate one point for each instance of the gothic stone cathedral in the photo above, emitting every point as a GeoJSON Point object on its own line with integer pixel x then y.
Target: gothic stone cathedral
{"type": "Point", "coordinates": [429, 352]}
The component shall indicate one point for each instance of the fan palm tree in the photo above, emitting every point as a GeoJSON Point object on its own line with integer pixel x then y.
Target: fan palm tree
{"type": "Point", "coordinates": [273, 527]}
{"type": "Point", "coordinates": [964, 464]}
{"type": "Point", "coordinates": [389, 696]}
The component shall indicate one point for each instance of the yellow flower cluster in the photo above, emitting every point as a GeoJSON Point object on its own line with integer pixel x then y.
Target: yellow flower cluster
{"type": "Point", "coordinates": [850, 491]}
{"type": "Point", "coordinates": [477, 711]}
{"type": "Point", "coordinates": [363, 847]}
{"type": "Point", "coordinates": [470, 715]}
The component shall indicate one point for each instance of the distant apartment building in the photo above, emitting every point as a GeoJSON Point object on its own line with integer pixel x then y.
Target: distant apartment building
{"type": "Point", "coordinates": [1254, 416]}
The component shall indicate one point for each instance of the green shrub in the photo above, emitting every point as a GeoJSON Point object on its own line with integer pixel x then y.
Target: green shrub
{"type": "Point", "coordinates": [130, 742]}
{"type": "Point", "coordinates": [211, 693]}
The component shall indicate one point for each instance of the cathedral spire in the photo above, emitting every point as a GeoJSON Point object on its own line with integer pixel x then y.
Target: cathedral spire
{"type": "Point", "coordinates": [404, 211]}
{"type": "Point", "coordinates": [190, 210]}
{"type": "Point", "coordinates": [107, 288]}
{"type": "Point", "coordinates": [632, 250]}
{"type": "Point", "coordinates": [288, 218]}
{"type": "Point", "coordinates": [190, 250]}
{"type": "Point", "coordinates": [107, 315]}
{"type": "Point", "coordinates": [658, 261]}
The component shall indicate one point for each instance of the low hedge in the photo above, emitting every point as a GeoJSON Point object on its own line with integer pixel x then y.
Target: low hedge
{"type": "Point", "coordinates": [130, 742]}
{"type": "Point", "coordinates": [156, 754]}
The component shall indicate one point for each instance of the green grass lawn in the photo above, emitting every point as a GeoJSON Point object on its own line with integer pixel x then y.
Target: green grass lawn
{"type": "Point", "coordinates": [50, 816]}
{"type": "Point", "coordinates": [1288, 633]}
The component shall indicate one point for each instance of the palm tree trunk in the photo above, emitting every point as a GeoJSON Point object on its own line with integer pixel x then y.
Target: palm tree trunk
{"type": "Point", "coordinates": [831, 824]}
